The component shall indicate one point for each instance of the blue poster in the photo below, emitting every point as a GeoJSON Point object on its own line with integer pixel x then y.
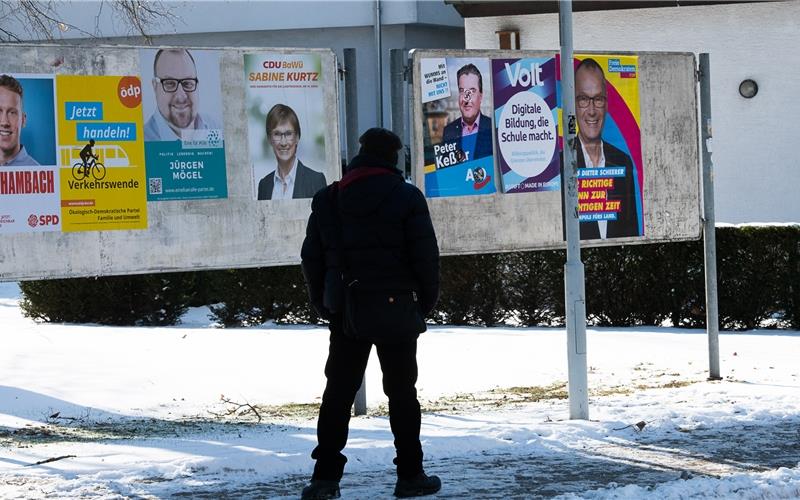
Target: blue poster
{"type": "Point", "coordinates": [457, 108]}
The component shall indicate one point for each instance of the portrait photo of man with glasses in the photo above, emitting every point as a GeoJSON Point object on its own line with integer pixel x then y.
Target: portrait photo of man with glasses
{"type": "Point", "coordinates": [290, 179]}
{"type": "Point", "coordinates": [592, 152]}
{"type": "Point", "coordinates": [177, 91]}
{"type": "Point", "coordinates": [472, 131]}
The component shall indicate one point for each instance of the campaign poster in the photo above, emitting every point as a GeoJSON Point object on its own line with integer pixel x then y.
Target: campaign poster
{"type": "Point", "coordinates": [457, 126]}
{"type": "Point", "coordinates": [526, 124]}
{"type": "Point", "coordinates": [29, 176]}
{"type": "Point", "coordinates": [609, 150]}
{"type": "Point", "coordinates": [184, 141]}
{"type": "Point", "coordinates": [100, 153]}
{"type": "Point", "coordinates": [286, 124]}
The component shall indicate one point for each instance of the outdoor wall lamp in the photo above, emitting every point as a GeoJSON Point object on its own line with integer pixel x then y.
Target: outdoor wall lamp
{"type": "Point", "coordinates": [748, 88]}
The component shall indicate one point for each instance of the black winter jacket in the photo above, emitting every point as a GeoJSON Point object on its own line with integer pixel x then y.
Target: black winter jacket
{"type": "Point", "coordinates": [387, 236]}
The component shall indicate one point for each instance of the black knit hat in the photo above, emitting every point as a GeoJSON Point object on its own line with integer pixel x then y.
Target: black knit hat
{"type": "Point", "coordinates": [380, 143]}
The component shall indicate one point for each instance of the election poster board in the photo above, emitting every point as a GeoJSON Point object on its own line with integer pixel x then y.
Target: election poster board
{"type": "Point", "coordinates": [286, 125]}
{"type": "Point", "coordinates": [609, 149]}
{"type": "Point", "coordinates": [29, 175]}
{"type": "Point", "coordinates": [110, 194]}
{"type": "Point", "coordinates": [526, 118]}
{"type": "Point", "coordinates": [457, 123]}
{"type": "Point", "coordinates": [184, 140]}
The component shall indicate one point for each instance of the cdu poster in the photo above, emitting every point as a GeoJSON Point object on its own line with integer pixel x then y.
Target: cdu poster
{"type": "Point", "coordinates": [457, 124]}
{"type": "Point", "coordinates": [100, 153]}
{"type": "Point", "coordinates": [526, 118]}
{"type": "Point", "coordinates": [608, 150]}
{"type": "Point", "coordinates": [183, 136]}
{"type": "Point", "coordinates": [286, 125]}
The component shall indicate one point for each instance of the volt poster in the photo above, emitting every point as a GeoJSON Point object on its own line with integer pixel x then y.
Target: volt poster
{"type": "Point", "coordinates": [526, 119]}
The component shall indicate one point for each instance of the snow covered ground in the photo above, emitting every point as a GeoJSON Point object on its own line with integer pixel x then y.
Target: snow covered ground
{"type": "Point", "coordinates": [101, 412]}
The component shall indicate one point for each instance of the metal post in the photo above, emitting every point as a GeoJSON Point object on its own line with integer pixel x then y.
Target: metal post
{"type": "Point", "coordinates": [351, 102]}
{"type": "Point", "coordinates": [575, 294]}
{"type": "Point", "coordinates": [351, 124]}
{"type": "Point", "coordinates": [379, 62]}
{"type": "Point", "coordinates": [709, 238]}
{"type": "Point", "coordinates": [398, 82]}
{"type": "Point", "coordinates": [360, 403]}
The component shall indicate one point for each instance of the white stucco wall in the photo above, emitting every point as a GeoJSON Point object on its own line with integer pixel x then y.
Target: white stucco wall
{"type": "Point", "coordinates": [755, 145]}
{"type": "Point", "coordinates": [215, 16]}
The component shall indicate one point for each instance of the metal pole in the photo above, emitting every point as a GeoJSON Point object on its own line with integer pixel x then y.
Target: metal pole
{"type": "Point", "coordinates": [351, 102]}
{"type": "Point", "coordinates": [398, 82]}
{"type": "Point", "coordinates": [360, 403]}
{"type": "Point", "coordinates": [379, 48]}
{"type": "Point", "coordinates": [351, 123]}
{"type": "Point", "coordinates": [709, 238]}
{"type": "Point", "coordinates": [575, 294]}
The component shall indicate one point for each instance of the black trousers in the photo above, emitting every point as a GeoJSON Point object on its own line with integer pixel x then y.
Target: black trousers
{"type": "Point", "coordinates": [347, 360]}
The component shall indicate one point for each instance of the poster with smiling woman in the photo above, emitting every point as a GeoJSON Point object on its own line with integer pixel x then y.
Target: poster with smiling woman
{"type": "Point", "coordinates": [286, 124]}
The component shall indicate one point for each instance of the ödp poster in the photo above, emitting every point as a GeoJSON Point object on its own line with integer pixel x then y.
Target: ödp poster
{"type": "Point", "coordinates": [108, 192]}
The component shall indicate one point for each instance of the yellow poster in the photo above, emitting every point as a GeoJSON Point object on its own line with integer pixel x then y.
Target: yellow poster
{"type": "Point", "coordinates": [101, 153]}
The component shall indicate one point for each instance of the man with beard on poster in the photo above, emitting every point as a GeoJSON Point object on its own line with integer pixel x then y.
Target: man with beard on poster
{"type": "Point", "coordinates": [290, 179]}
{"type": "Point", "coordinates": [175, 84]}
{"type": "Point", "coordinates": [472, 131]}
{"type": "Point", "coordinates": [591, 105]}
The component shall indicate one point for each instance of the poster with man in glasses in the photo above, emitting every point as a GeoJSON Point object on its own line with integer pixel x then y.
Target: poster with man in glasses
{"type": "Point", "coordinates": [286, 124]}
{"type": "Point", "coordinates": [183, 134]}
{"type": "Point", "coordinates": [457, 109]}
{"type": "Point", "coordinates": [609, 152]}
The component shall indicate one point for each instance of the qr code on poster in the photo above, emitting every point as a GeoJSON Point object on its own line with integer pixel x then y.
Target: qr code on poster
{"type": "Point", "coordinates": [155, 185]}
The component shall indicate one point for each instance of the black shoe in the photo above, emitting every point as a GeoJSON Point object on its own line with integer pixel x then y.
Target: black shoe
{"type": "Point", "coordinates": [419, 485]}
{"type": "Point", "coordinates": [320, 489]}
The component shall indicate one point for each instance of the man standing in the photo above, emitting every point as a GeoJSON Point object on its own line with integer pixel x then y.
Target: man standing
{"type": "Point", "coordinates": [12, 120]}
{"type": "Point", "coordinates": [175, 84]}
{"type": "Point", "coordinates": [290, 179]}
{"type": "Point", "coordinates": [472, 132]}
{"type": "Point", "coordinates": [590, 108]}
{"type": "Point", "coordinates": [383, 239]}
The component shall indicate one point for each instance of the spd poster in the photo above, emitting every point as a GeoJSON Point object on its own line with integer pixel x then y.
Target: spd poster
{"type": "Point", "coordinates": [609, 151]}
{"type": "Point", "coordinates": [29, 176]}
{"type": "Point", "coordinates": [100, 153]}
{"type": "Point", "coordinates": [526, 119]}
{"type": "Point", "coordinates": [457, 123]}
{"type": "Point", "coordinates": [184, 141]}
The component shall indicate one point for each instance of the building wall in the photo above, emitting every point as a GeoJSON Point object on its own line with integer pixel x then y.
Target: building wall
{"type": "Point", "coordinates": [304, 24]}
{"type": "Point", "coordinates": [207, 16]}
{"type": "Point", "coordinates": [756, 163]}
{"type": "Point", "coordinates": [361, 38]}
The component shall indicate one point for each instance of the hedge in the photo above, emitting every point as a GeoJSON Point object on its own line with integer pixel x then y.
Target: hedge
{"type": "Point", "coordinates": [758, 281]}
